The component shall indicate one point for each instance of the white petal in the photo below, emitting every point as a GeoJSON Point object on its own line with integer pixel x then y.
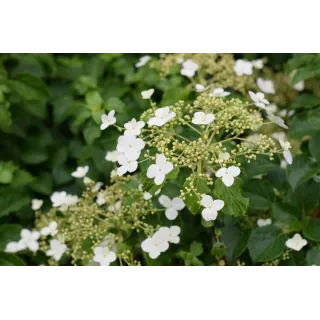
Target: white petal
{"type": "Point", "coordinates": [153, 170]}
{"type": "Point", "coordinates": [161, 160]}
{"type": "Point", "coordinates": [288, 156]}
{"type": "Point", "coordinates": [207, 201]}
{"type": "Point", "coordinates": [122, 170]}
{"type": "Point", "coordinates": [171, 213]}
{"type": "Point", "coordinates": [209, 214]}
{"type": "Point", "coordinates": [175, 230]}
{"type": "Point", "coordinates": [228, 180]}
{"type": "Point", "coordinates": [159, 178]}
{"type": "Point", "coordinates": [165, 201]}
{"type": "Point", "coordinates": [178, 203]}
{"type": "Point", "coordinates": [218, 204]}
{"type": "Point", "coordinates": [221, 172]}
{"type": "Point", "coordinates": [234, 171]}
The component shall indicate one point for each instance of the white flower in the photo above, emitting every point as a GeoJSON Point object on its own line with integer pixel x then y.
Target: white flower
{"type": "Point", "coordinates": [296, 242]}
{"type": "Point", "coordinates": [219, 92]}
{"type": "Point", "coordinates": [277, 120]}
{"type": "Point", "coordinates": [155, 245]}
{"type": "Point", "coordinates": [172, 206]}
{"type": "Point", "coordinates": [14, 246]}
{"type": "Point", "coordinates": [97, 186]}
{"type": "Point", "coordinates": [243, 67]}
{"type": "Point", "coordinates": [108, 120]}
{"type": "Point", "coordinates": [29, 239]}
{"type": "Point", "coordinates": [200, 87]}
{"type": "Point", "coordinates": [104, 256]}
{"type": "Point", "coordinates": [264, 222]}
{"type": "Point", "coordinates": [36, 204]}
{"type": "Point", "coordinates": [62, 199]}
{"type": "Point", "coordinates": [189, 68]}
{"type": "Point", "coordinates": [87, 180]}
{"type": "Point", "coordinates": [272, 108]}
{"type": "Point", "coordinates": [285, 145]}
{"type": "Point", "coordinates": [147, 195]}
{"type": "Point", "coordinates": [170, 234]}
{"type": "Point", "coordinates": [162, 116]}
{"type": "Point", "coordinates": [159, 170]}
{"type": "Point", "coordinates": [115, 207]}
{"type": "Point", "coordinates": [202, 118]}
{"type": "Point", "coordinates": [101, 200]}
{"type": "Point", "coordinates": [266, 86]}
{"type": "Point", "coordinates": [212, 207]}
{"type": "Point", "coordinates": [50, 230]}
{"type": "Point", "coordinates": [258, 64]}
{"type": "Point", "coordinates": [57, 249]}
{"type": "Point", "coordinates": [279, 136]}
{"type": "Point", "coordinates": [223, 156]}
{"type": "Point", "coordinates": [127, 164]}
{"type": "Point", "coordinates": [80, 172]}
{"type": "Point", "coordinates": [283, 164]}
{"type": "Point", "coordinates": [130, 145]}
{"type": "Point", "coordinates": [134, 127]}
{"type": "Point", "coordinates": [147, 93]}
{"type": "Point", "coordinates": [112, 156]}
{"type": "Point", "coordinates": [258, 99]}
{"type": "Point", "coordinates": [299, 86]}
{"type": "Point", "coordinates": [143, 61]}
{"type": "Point", "coordinates": [228, 175]}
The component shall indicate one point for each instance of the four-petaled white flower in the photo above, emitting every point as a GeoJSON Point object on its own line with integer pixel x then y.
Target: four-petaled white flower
{"type": "Point", "coordinates": [223, 156]}
{"type": "Point", "coordinates": [228, 175]}
{"type": "Point", "coordinates": [258, 64]}
{"type": "Point", "coordinates": [299, 86]}
{"type": "Point", "coordinates": [171, 234]}
{"type": "Point", "coordinates": [155, 245]}
{"type": "Point", "coordinates": [130, 145]}
{"type": "Point", "coordinates": [243, 67]}
{"type": "Point", "coordinates": [36, 204]}
{"type": "Point", "coordinates": [211, 207]}
{"type": "Point", "coordinates": [277, 120]}
{"type": "Point", "coordinates": [219, 92]}
{"type": "Point", "coordinates": [108, 120]}
{"type": "Point", "coordinates": [50, 230]}
{"type": "Point", "coordinates": [200, 87]}
{"type": "Point", "coordinates": [162, 116]}
{"type": "Point", "coordinates": [127, 164]}
{"type": "Point", "coordinates": [266, 86]}
{"type": "Point", "coordinates": [296, 242]}
{"type": "Point", "coordinates": [63, 200]}
{"type": "Point", "coordinates": [101, 200]}
{"type": "Point", "coordinates": [172, 206]}
{"type": "Point", "coordinates": [134, 127]}
{"type": "Point", "coordinates": [147, 93]}
{"type": "Point", "coordinates": [57, 249]}
{"type": "Point", "coordinates": [104, 256]}
{"type": "Point", "coordinates": [143, 61]}
{"type": "Point", "coordinates": [258, 99]}
{"type": "Point", "coordinates": [159, 170]}
{"type": "Point", "coordinates": [80, 172]}
{"type": "Point", "coordinates": [285, 145]}
{"type": "Point", "coordinates": [189, 68]}
{"type": "Point", "coordinates": [263, 222]}
{"type": "Point", "coordinates": [112, 156]}
{"type": "Point", "coordinates": [29, 240]}
{"type": "Point", "coordinates": [202, 118]}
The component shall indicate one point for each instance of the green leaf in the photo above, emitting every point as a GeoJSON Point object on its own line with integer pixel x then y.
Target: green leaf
{"type": "Point", "coordinates": [34, 156]}
{"type": "Point", "coordinates": [94, 100]}
{"type": "Point", "coordinates": [314, 117]}
{"type": "Point", "coordinates": [12, 200]}
{"type": "Point", "coordinates": [9, 232]}
{"type": "Point", "coordinates": [286, 216]}
{"type": "Point", "coordinates": [306, 101]}
{"type": "Point", "coordinates": [5, 117]}
{"type": "Point", "coordinates": [301, 126]}
{"type": "Point", "coordinates": [301, 170]}
{"type": "Point", "coordinates": [313, 256]}
{"type": "Point", "coordinates": [29, 87]}
{"type": "Point", "coordinates": [235, 240]}
{"type": "Point", "coordinates": [115, 104]}
{"type": "Point", "coordinates": [218, 250]}
{"type": "Point", "coordinates": [9, 259]}
{"type": "Point", "coordinates": [192, 200]}
{"type": "Point", "coordinates": [260, 193]}
{"type": "Point", "coordinates": [21, 178]}
{"type": "Point", "coordinates": [7, 170]}
{"type": "Point", "coordinates": [266, 243]}
{"type": "Point", "coordinates": [196, 248]}
{"type": "Point", "coordinates": [173, 174]}
{"type": "Point", "coordinates": [91, 132]}
{"type": "Point", "coordinates": [43, 184]}
{"type": "Point", "coordinates": [311, 70]}
{"type": "Point", "coordinates": [234, 203]}
{"type": "Point", "coordinates": [312, 230]}
{"type": "Point", "coordinates": [261, 165]}
{"type": "Point", "coordinates": [314, 146]}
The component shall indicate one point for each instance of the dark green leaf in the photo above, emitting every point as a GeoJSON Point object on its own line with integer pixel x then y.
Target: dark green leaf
{"type": "Point", "coordinates": [9, 232]}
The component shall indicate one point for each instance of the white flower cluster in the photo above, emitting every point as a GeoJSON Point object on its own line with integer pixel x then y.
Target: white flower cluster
{"type": "Point", "coordinates": [244, 67]}
{"type": "Point", "coordinates": [189, 68]}
{"type": "Point", "coordinates": [159, 242]}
